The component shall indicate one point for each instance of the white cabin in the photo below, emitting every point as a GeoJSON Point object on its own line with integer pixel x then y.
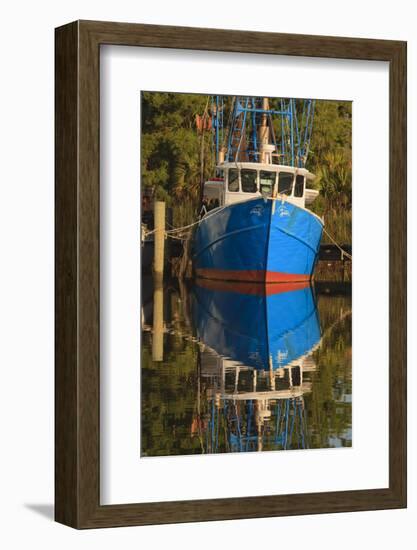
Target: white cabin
{"type": "Point", "coordinates": [241, 181]}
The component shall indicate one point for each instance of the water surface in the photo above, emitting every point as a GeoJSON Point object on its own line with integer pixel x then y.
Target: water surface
{"type": "Point", "coordinates": [233, 368]}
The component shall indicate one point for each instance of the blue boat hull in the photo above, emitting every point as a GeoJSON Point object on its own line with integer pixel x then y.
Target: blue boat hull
{"type": "Point", "coordinates": [257, 240]}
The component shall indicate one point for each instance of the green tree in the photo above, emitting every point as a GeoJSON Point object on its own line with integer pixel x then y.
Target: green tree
{"type": "Point", "coordinates": [330, 160]}
{"type": "Point", "coordinates": [171, 149]}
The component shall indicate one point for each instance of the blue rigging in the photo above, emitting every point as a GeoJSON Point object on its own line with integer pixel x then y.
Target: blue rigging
{"type": "Point", "coordinates": [289, 123]}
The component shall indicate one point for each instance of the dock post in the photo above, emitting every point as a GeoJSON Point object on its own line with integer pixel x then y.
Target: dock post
{"type": "Point", "coordinates": [158, 277]}
{"type": "Point", "coordinates": [159, 238]}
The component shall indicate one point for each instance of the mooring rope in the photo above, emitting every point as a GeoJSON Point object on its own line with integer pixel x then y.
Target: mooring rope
{"type": "Point", "coordinates": [344, 253]}
{"type": "Point", "coordinates": [172, 232]}
{"type": "Point", "coordinates": [178, 238]}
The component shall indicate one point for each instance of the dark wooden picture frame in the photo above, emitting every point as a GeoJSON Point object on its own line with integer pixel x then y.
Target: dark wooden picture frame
{"type": "Point", "coordinates": [77, 405]}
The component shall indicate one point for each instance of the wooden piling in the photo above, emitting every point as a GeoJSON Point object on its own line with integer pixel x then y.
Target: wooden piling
{"type": "Point", "coordinates": [159, 238]}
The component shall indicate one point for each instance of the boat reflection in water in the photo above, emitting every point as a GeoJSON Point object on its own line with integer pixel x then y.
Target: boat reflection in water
{"type": "Point", "coordinates": [254, 360]}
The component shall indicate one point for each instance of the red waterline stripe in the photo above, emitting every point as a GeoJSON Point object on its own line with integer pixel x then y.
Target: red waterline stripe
{"type": "Point", "coordinates": [248, 287]}
{"type": "Point", "coordinates": [251, 275]}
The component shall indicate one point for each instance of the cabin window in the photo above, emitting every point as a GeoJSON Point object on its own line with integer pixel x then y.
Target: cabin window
{"type": "Point", "coordinates": [285, 180]}
{"type": "Point", "coordinates": [267, 182]}
{"type": "Point", "coordinates": [299, 186]}
{"type": "Point", "coordinates": [233, 180]}
{"type": "Point", "coordinates": [248, 180]}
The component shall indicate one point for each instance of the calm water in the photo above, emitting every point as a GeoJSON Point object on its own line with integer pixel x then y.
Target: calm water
{"type": "Point", "coordinates": [229, 368]}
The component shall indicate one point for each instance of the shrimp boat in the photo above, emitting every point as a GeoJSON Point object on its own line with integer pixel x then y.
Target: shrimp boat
{"type": "Point", "coordinates": [256, 225]}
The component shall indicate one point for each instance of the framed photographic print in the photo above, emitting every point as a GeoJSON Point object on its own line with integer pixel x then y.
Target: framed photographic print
{"type": "Point", "coordinates": [230, 274]}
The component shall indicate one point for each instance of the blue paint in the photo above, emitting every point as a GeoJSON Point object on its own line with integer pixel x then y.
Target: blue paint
{"type": "Point", "coordinates": [294, 240]}
{"type": "Point", "coordinates": [253, 329]}
{"type": "Point", "coordinates": [248, 236]}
